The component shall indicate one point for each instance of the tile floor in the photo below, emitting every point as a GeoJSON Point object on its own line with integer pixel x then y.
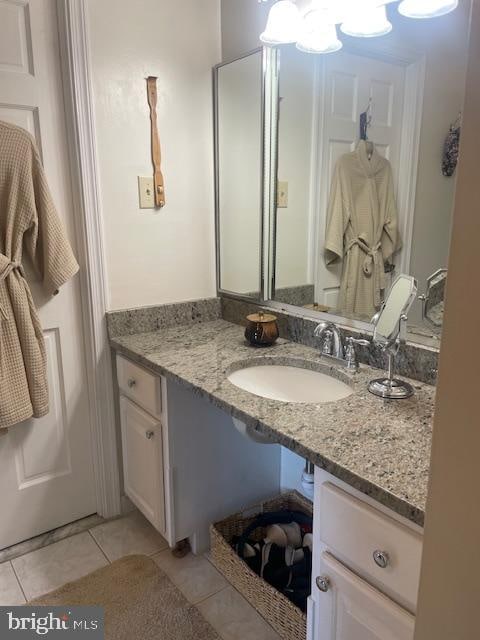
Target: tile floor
{"type": "Point", "coordinates": [45, 569]}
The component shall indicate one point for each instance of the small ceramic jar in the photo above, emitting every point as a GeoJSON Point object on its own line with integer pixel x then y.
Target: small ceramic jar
{"type": "Point", "coordinates": [262, 329]}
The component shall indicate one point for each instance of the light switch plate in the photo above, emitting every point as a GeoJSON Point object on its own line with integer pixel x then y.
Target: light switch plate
{"type": "Point", "coordinates": [146, 195]}
{"type": "Point", "coordinates": [282, 195]}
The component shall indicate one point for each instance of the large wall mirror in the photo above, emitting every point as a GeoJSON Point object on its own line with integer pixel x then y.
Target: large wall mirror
{"type": "Point", "coordinates": [365, 171]}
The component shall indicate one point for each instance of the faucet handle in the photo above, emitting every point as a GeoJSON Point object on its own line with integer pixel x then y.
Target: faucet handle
{"type": "Point", "coordinates": [350, 353]}
{"type": "Point", "coordinates": [363, 343]}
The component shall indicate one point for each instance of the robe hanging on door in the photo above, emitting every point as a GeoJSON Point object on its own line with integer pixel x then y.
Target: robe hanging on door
{"type": "Point", "coordinates": [28, 221]}
{"type": "Point", "coordinates": [362, 228]}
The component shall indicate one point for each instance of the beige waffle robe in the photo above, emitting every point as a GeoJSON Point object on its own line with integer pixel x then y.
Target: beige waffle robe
{"type": "Point", "coordinates": [362, 228]}
{"type": "Point", "coordinates": [28, 222]}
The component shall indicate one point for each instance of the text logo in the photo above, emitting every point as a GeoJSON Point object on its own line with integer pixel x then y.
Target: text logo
{"type": "Point", "coordinates": [22, 623]}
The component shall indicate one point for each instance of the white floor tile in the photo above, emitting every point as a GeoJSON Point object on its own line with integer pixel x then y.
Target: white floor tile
{"type": "Point", "coordinates": [234, 618]}
{"type": "Point", "coordinates": [193, 575]}
{"type": "Point", "coordinates": [10, 591]}
{"type": "Point", "coordinates": [127, 536]}
{"type": "Point", "coordinates": [46, 569]}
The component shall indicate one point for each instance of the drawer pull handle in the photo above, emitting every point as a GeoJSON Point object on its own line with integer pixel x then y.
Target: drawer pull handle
{"type": "Point", "coordinates": [149, 435]}
{"type": "Point", "coordinates": [381, 559]}
{"type": "Point", "coordinates": [323, 583]}
{"type": "Point", "coordinates": [131, 382]}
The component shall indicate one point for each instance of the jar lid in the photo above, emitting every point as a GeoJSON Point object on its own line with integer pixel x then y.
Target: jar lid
{"type": "Point", "coordinates": [261, 317]}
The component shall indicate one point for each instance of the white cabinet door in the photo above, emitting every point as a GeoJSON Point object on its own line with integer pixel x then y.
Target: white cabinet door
{"type": "Point", "coordinates": [351, 609]}
{"type": "Point", "coordinates": [143, 462]}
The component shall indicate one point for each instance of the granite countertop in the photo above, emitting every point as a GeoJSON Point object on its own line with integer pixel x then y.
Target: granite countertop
{"type": "Point", "coordinates": [380, 447]}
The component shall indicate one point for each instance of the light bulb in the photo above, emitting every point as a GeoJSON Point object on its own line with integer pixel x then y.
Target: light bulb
{"type": "Point", "coordinates": [426, 8]}
{"type": "Point", "coordinates": [318, 35]}
{"type": "Point", "coordinates": [283, 25]}
{"type": "Point", "coordinates": [369, 22]}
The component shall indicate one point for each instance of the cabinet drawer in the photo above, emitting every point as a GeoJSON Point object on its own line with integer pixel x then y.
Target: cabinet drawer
{"type": "Point", "coordinates": [142, 450]}
{"type": "Point", "coordinates": [355, 532]}
{"type": "Point", "coordinates": [140, 385]}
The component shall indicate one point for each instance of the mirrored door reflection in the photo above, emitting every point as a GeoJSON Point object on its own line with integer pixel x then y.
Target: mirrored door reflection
{"type": "Point", "coordinates": [239, 149]}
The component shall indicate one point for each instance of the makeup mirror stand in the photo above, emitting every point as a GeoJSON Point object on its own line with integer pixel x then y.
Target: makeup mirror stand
{"type": "Point", "coordinates": [391, 388]}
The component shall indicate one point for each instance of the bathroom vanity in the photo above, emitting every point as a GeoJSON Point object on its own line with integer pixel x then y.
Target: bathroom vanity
{"type": "Point", "coordinates": [186, 465]}
{"type": "Point", "coordinates": [203, 435]}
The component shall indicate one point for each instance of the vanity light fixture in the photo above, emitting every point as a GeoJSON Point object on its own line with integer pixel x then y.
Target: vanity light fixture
{"type": "Point", "coordinates": [318, 36]}
{"type": "Point", "coordinates": [284, 24]}
{"type": "Point", "coordinates": [312, 24]}
{"type": "Point", "coordinates": [369, 22]}
{"type": "Point", "coordinates": [426, 8]}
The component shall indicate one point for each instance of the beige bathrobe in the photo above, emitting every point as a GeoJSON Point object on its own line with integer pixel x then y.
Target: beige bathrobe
{"type": "Point", "coordinates": [28, 221]}
{"type": "Point", "coordinates": [362, 228]}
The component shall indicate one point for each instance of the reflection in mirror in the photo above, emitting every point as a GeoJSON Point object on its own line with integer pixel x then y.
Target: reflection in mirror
{"type": "Point", "coordinates": [365, 138]}
{"type": "Point", "coordinates": [388, 321]}
{"type": "Point", "coordinates": [389, 332]}
{"type": "Point", "coordinates": [238, 94]}
{"type": "Point", "coordinates": [432, 308]}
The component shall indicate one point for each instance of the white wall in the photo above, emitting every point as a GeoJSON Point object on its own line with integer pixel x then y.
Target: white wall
{"type": "Point", "coordinates": [169, 255]}
{"type": "Point", "coordinates": [445, 44]}
{"type": "Point", "coordinates": [292, 467]}
{"type": "Point", "coordinates": [448, 600]}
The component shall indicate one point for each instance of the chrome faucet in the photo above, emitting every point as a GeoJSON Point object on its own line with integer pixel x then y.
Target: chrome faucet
{"type": "Point", "coordinates": [332, 339]}
{"type": "Point", "coordinates": [332, 345]}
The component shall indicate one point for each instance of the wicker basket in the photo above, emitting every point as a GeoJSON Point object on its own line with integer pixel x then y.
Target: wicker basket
{"type": "Point", "coordinates": [287, 619]}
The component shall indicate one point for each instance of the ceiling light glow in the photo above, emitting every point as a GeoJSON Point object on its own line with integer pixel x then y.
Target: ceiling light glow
{"type": "Point", "coordinates": [426, 8]}
{"type": "Point", "coordinates": [319, 36]}
{"type": "Point", "coordinates": [312, 24]}
{"type": "Point", "coordinates": [283, 25]}
{"type": "Point", "coordinates": [367, 23]}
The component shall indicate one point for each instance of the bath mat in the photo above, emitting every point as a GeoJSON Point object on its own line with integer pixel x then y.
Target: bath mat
{"type": "Point", "coordinates": [140, 601]}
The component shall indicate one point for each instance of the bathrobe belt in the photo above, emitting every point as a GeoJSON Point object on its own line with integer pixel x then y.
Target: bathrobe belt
{"type": "Point", "coordinates": [372, 265]}
{"type": "Point", "coordinates": [6, 268]}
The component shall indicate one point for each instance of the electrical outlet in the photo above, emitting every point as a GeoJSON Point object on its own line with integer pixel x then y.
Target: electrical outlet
{"type": "Point", "coordinates": [146, 195]}
{"type": "Point", "coordinates": [282, 195]}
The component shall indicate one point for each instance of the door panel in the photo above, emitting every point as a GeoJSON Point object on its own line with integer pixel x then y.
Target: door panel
{"type": "Point", "coordinates": [46, 465]}
{"type": "Point", "coordinates": [42, 452]}
{"type": "Point", "coordinates": [15, 41]}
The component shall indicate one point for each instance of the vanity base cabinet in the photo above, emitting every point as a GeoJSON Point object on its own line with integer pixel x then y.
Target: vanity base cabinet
{"type": "Point", "coordinates": [143, 462]}
{"type": "Point", "coordinates": [366, 567]}
{"type": "Point", "coordinates": [185, 465]}
{"type": "Point", "coordinates": [351, 609]}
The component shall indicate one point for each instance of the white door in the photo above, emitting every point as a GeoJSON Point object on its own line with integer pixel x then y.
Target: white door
{"type": "Point", "coordinates": [350, 81]}
{"type": "Point", "coordinates": [351, 609]}
{"type": "Point", "coordinates": [46, 465]}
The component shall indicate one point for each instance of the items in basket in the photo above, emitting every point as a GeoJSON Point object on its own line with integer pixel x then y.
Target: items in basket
{"type": "Point", "coordinates": [284, 557]}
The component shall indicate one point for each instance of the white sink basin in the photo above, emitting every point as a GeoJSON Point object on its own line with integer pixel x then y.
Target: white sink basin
{"type": "Point", "coordinates": [290, 384]}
